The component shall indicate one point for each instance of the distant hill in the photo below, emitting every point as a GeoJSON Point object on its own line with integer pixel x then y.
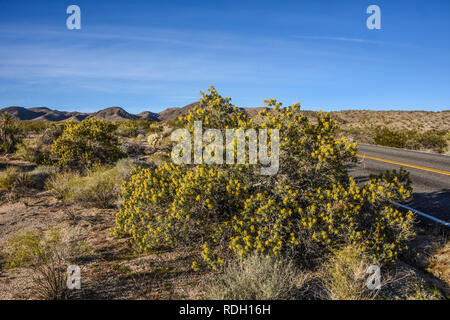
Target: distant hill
{"type": "Point", "coordinates": [149, 116]}
{"type": "Point", "coordinates": [46, 114]}
{"type": "Point", "coordinates": [21, 113]}
{"type": "Point", "coordinates": [114, 114]}
{"type": "Point", "coordinates": [109, 114]}
{"type": "Point", "coordinates": [254, 111]}
{"type": "Point", "coordinates": [173, 113]}
{"type": "Point", "coordinates": [42, 114]}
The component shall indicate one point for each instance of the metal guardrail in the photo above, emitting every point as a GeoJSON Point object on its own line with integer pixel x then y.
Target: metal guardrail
{"type": "Point", "coordinates": [420, 213]}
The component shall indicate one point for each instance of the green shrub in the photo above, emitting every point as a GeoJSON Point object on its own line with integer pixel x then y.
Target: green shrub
{"type": "Point", "coordinates": [120, 268]}
{"type": "Point", "coordinates": [39, 127]}
{"type": "Point", "coordinates": [154, 127]}
{"type": "Point", "coordinates": [9, 133]}
{"type": "Point", "coordinates": [86, 144]}
{"type": "Point", "coordinates": [23, 249]}
{"type": "Point", "coordinates": [133, 128]}
{"type": "Point", "coordinates": [308, 208]}
{"type": "Point", "coordinates": [128, 128]}
{"type": "Point", "coordinates": [38, 149]}
{"type": "Point", "coordinates": [33, 151]}
{"type": "Point", "coordinates": [257, 278]}
{"type": "Point", "coordinates": [52, 133]}
{"type": "Point", "coordinates": [389, 138]}
{"type": "Point", "coordinates": [433, 139]}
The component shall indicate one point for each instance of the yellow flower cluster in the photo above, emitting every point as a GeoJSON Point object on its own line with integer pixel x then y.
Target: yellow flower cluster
{"type": "Point", "coordinates": [267, 223]}
{"type": "Point", "coordinates": [362, 216]}
{"type": "Point", "coordinates": [215, 112]}
{"type": "Point", "coordinates": [170, 204]}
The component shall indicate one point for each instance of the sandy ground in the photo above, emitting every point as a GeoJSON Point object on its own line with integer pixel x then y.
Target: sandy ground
{"type": "Point", "coordinates": [109, 269]}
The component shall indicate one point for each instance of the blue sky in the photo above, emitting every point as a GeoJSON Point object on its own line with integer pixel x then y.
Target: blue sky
{"type": "Point", "coordinates": [150, 55]}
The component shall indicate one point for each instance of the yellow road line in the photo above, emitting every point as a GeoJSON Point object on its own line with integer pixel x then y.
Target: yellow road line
{"type": "Point", "coordinates": [405, 164]}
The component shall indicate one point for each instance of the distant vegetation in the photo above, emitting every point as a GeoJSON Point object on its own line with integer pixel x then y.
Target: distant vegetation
{"type": "Point", "coordinates": [431, 140]}
{"type": "Point", "coordinates": [416, 130]}
{"type": "Point", "coordinates": [435, 140]}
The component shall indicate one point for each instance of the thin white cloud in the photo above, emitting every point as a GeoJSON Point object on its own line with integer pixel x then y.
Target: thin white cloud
{"type": "Point", "coordinates": [345, 39]}
{"type": "Point", "coordinates": [134, 61]}
{"type": "Point", "coordinates": [73, 57]}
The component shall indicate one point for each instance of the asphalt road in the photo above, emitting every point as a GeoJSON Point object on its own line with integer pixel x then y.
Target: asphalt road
{"type": "Point", "coordinates": [429, 172]}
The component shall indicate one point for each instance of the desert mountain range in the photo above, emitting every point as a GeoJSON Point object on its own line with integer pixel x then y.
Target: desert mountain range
{"type": "Point", "coordinates": [109, 114]}
{"type": "Point", "coordinates": [348, 119]}
{"type": "Point", "coordinates": [46, 114]}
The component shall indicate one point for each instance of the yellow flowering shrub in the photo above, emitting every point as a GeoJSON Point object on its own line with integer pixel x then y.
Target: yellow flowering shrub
{"type": "Point", "coordinates": [85, 144]}
{"type": "Point", "coordinates": [307, 208]}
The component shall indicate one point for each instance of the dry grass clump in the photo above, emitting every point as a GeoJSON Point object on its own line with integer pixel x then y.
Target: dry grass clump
{"type": "Point", "coordinates": [98, 188]}
{"type": "Point", "coordinates": [13, 183]}
{"type": "Point", "coordinates": [12, 179]}
{"type": "Point", "coordinates": [46, 256]}
{"type": "Point", "coordinates": [419, 290]}
{"type": "Point", "coordinates": [344, 275]}
{"type": "Point", "coordinates": [439, 262]}
{"type": "Point", "coordinates": [257, 278]}
{"type": "Point", "coordinates": [61, 184]}
{"type": "Point", "coordinates": [15, 180]}
{"type": "Point", "coordinates": [40, 175]}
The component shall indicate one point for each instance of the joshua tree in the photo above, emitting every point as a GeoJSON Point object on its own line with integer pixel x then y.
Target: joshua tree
{"type": "Point", "coordinates": [8, 133]}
